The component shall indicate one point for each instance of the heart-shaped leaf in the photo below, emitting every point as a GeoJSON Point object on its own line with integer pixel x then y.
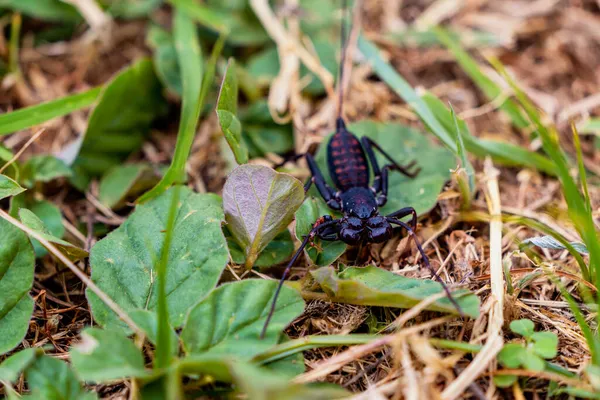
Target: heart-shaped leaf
{"type": "Point", "coordinates": [9, 187]}
{"type": "Point", "coordinates": [324, 252]}
{"type": "Point", "coordinates": [533, 362]}
{"type": "Point", "coordinates": [523, 327]}
{"type": "Point", "coordinates": [11, 368]}
{"type": "Point", "coordinates": [505, 381]}
{"type": "Point", "coordinates": [276, 252]}
{"type": "Point", "coordinates": [43, 168]}
{"type": "Point", "coordinates": [124, 263]}
{"type": "Point", "coordinates": [405, 144]}
{"type": "Point", "coordinates": [105, 355]}
{"type": "Point", "coordinates": [33, 222]}
{"type": "Point", "coordinates": [227, 114]}
{"type": "Point", "coordinates": [125, 181]}
{"type": "Point", "coordinates": [512, 355]}
{"type": "Point", "coordinates": [17, 262]}
{"type": "Point", "coordinates": [231, 318]}
{"type": "Point", "coordinates": [545, 344]}
{"type": "Point", "coordinates": [259, 204]}
{"type": "Point", "coordinates": [372, 286]}
{"type": "Point", "coordinates": [51, 379]}
{"type": "Point", "coordinates": [118, 125]}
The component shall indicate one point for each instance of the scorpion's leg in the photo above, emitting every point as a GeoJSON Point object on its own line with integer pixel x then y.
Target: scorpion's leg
{"type": "Point", "coordinates": [317, 228]}
{"type": "Point", "coordinates": [328, 194]}
{"type": "Point", "coordinates": [369, 144]}
{"type": "Point", "coordinates": [403, 212]}
{"type": "Point", "coordinates": [426, 261]}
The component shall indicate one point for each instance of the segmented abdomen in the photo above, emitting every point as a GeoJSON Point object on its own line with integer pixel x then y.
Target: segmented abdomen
{"type": "Point", "coordinates": [347, 162]}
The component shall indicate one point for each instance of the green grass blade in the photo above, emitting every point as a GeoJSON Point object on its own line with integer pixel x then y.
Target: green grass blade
{"type": "Point", "coordinates": [204, 15]}
{"type": "Point", "coordinates": [189, 54]}
{"type": "Point", "coordinates": [462, 154]}
{"type": "Point", "coordinates": [491, 90]}
{"type": "Point", "coordinates": [582, 175]}
{"type": "Point", "coordinates": [577, 208]}
{"type": "Point", "coordinates": [406, 92]}
{"type": "Point", "coordinates": [35, 115]}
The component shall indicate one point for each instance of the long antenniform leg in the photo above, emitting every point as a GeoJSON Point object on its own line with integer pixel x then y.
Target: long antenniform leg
{"type": "Point", "coordinates": [315, 231]}
{"type": "Point", "coordinates": [412, 233]}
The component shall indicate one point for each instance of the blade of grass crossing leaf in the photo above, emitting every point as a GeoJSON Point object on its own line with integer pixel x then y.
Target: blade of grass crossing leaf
{"type": "Point", "coordinates": [190, 62]}
{"type": "Point", "coordinates": [489, 88]}
{"type": "Point", "coordinates": [385, 71]}
{"type": "Point", "coordinates": [35, 115]}
{"type": "Point", "coordinates": [467, 187]}
{"type": "Point", "coordinates": [578, 211]}
{"type": "Point", "coordinates": [582, 175]}
{"type": "Point", "coordinates": [163, 345]}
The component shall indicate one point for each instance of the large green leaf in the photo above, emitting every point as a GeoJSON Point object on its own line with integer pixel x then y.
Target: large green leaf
{"type": "Point", "coordinates": [105, 355]}
{"type": "Point", "coordinates": [259, 204]}
{"type": "Point", "coordinates": [125, 181]}
{"type": "Point", "coordinates": [231, 318]}
{"type": "Point", "coordinates": [405, 144]}
{"type": "Point", "coordinates": [48, 10]}
{"type": "Point", "coordinates": [51, 379]}
{"type": "Point", "coordinates": [372, 286]}
{"type": "Point", "coordinates": [17, 262]}
{"type": "Point", "coordinates": [8, 187]}
{"type": "Point", "coordinates": [121, 120]}
{"type": "Point", "coordinates": [227, 114]}
{"type": "Point", "coordinates": [11, 368]}
{"type": "Point", "coordinates": [124, 263]}
{"type": "Point", "coordinates": [32, 221]}
{"type": "Point", "coordinates": [277, 251]}
{"type": "Point", "coordinates": [324, 252]}
{"type": "Point", "coordinates": [43, 168]}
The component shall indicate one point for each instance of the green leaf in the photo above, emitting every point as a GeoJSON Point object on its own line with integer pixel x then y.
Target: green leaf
{"type": "Point", "coordinates": [165, 58]}
{"type": "Point", "coordinates": [148, 322]}
{"type": "Point", "coordinates": [290, 366]}
{"type": "Point", "coordinates": [133, 8]}
{"type": "Point", "coordinates": [47, 10]}
{"type": "Point", "coordinates": [51, 379]}
{"type": "Point", "coordinates": [189, 55]}
{"type": "Point", "coordinates": [17, 263]}
{"type": "Point", "coordinates": [124, 263]}
{"type": "Point", "coordinates": [33, 222]}
{"type": "Point", "coordinates": [227, 114]}
{"type": "Point", "coordinates": [259, 204]}
{"type": "Point", "coordinates": [11, 368]}
{"type": "Point", "coordinates": [523, 327]}
{"type": "Point", "coordinates": [533, 362]}
{"type": "Point", "coordinates": [512, 355]}
{"type": "Point", "coordinates": [125, 181]}
{"type": "Point", "coordinates": [324, 252]}
{"type": "Point", "coordinates": [277, 251]}
{"type": "Point", "coordinates": [230, 320]}
{"type": "Point", "coordinates": [43, 168]}
{"type": "Point", "coordinates": [9, 187]}
{"type": "Point", "coordinates": [27, 117]}
{"type": "Point", "coordinates": [121, 120]}
{"type": "Point", "coordinates": [51, 219]}
{"type": "Point", "coordinates": [105, 355]}
{"type": "Point", "coordinates": [505, 381]}
{"type": "Point", "coordinates": [549, 242]}
{"type": "Point", "coordinates": [406, 145]}
{"type": "Point", "coordinates": [592, 125]}
{"type": "Point", "coordinates": [372, 286]}
{"type": "Point", "coordinates": [545, 344]}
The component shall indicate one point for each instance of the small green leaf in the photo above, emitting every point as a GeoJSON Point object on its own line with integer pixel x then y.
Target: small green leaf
{"type": "Point", "coordinates": [512, 355]}
{"type": "Point", "coordinates": [47, 10]}
{"type": "Point", "coordinates": [121, 120]}
{"type": "Point", "coordinates": [51, 379]}
{"type": "Point", "coordinates": [592, 125]}
{"type": "Point", "coordinates": [124, 181]}
{"type": "Point", "coordinates": [11, 368]}
{"type": "Point", "coordinates": [533, 362]}
{"type": "Point", "coordinates": [51, 218]}
{"type": "Point", "coordinates": [230, 320]}
{"type": "Point", "coordinates": [9, 187]}
{"type": "Point", "coordinates": [124, 262]}
{"type": "Point", "coordinates": [227, 114]}
{"type": "Point", "coordinates": [277, 251]}
{"type": "Point", "coordinates": [372, 286]}
{"type": "Point", "coordinates": [324, 252]}
{"type": "Point", "coordinates": [165, 58]}
{"type": "Point", "coordinates": [406, 145]}
{"type": "Point", "coordinates": [43, 168]}
{"type": "Point", "coordinates": [523, 327]}
{"type": "Point", "coordinates": [17, 263]}
{"type": "Point", "coordinates": [548, 242]}
{"type": "Point", "coordinates": [33, 222]}
{"type": "Point", "coordinates": [545, 344]}
{"type": "Point", "coordinates": [259, 204]}
{"type": "Point", "coordinates": [106, 355]}
{"type": "Point", "coordinates": [505, 381]}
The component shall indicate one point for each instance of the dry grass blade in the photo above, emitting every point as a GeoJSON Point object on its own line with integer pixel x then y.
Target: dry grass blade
{"type": "Point", "coordinates": [20, 152]}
